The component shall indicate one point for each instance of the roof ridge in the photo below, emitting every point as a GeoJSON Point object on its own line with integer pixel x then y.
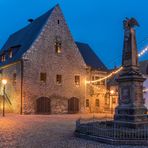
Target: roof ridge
{"type": "Point", "coordinates": [37, 18]}
{"type": "Point", "coordinates": [26, 36]}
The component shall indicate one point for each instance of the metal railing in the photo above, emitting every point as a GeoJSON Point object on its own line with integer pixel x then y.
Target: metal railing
{"type": "Point", "coordinates": [107, 130]}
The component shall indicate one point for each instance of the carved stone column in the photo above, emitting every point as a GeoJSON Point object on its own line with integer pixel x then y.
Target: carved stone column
{"type": "Point", "coordinates": [131, 111]}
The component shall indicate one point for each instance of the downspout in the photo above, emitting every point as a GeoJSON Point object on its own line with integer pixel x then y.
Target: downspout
{"type": "Point", "coordinates": [22, 74]}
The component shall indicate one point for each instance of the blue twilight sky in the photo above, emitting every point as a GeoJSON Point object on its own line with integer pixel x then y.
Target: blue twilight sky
{"type": "Point", "coordinates": [97, 22]}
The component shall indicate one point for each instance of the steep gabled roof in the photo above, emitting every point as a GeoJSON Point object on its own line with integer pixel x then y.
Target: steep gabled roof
{"type": "Point", "coordinates": [89, 56]}
{"type": "Point", "coordinates": [24, 37]}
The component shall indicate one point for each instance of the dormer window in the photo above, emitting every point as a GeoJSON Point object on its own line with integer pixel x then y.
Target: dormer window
{"type": "Point", "coordinates": [3, 58]}
{"type": "Point", "coordinates": [10, 52]}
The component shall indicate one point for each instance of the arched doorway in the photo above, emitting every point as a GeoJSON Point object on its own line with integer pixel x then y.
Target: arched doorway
{"type": "Point", "coordinates": [43, 105]}
{"type": "Point", "coordinates": [73, 105]}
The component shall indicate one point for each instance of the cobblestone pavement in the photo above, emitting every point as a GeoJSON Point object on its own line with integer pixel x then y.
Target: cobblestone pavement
{"type": "Point", "coordinates": [46, 131]}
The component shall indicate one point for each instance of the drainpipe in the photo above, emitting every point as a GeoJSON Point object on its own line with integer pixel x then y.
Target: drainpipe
{"type": "Point", "coordinates": [22, 72]}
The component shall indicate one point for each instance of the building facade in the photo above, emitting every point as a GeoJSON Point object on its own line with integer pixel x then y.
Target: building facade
{"type": "Point", "coordinates": [48, 72]}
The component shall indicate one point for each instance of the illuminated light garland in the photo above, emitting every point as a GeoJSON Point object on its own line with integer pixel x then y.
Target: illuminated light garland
{"type": "Point", "coordinates": [110, 75]}
{"type": "Point", "coordinates": [145, 90]}
{"type": "Point", "coordinates": [117, 71]}
{"type": "Point", "coordinates": [143, 52]}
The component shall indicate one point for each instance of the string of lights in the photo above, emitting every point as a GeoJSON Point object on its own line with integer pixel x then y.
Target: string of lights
{"type": "Point", "coordinates": [143, 52]}
{"type": "Point", "coordinates": [108, 76]}
{"type": "Point", "coordinates": [145, 90]}
{"type": "Point", "coordinates": [118, 70]}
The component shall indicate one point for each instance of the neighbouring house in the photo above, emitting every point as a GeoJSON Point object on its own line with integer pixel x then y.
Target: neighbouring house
{"type": "Point", "coordinates": [144, 71]}
{"type": "Point", "coordinates": [48, 72]}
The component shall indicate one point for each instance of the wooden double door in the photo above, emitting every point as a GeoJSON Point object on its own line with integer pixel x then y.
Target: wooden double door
{"type": "Point", "coordinates": [43, 105]}
{"type": "Point", "coordinates": [73, 105]}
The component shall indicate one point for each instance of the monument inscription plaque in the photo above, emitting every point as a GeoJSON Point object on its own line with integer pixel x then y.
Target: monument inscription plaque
{"type": "Point", "coordinates": [125, 93]}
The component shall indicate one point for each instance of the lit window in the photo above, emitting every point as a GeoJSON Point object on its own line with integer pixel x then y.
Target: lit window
{"type": "Point", "coordinates": [113, 100]}
{"type": "Point", "coordinates": [43, 77]}
{"type": "Point", "coordinates": [87, 102]}
{"type": "Point", "coordinates": [10, 53]}
{"type": "Point", "coordinates": [106, 101]}
{"type": "Point", "coordinates": [97, 78]}
{"type": "Point", "coordinates": [77, 80]}
{"type": "Point", "coordinates": [93, 78]}
{"type": "Point", "coordinates": [97, 103]}
{"type": "Point", "coordinates": [59, 79]}
{"type": "Point", "coordinates": [14, 78]}
{"type": "Point", "coordinates": [58, 47]}
{"type": "Point", "coordinates": [3, 58]}
{"type": "Point", "coordinates": [102, 82]}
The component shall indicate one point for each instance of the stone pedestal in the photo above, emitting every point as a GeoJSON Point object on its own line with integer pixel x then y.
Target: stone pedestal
{"type": "Point", "coordinates": [131, 111]}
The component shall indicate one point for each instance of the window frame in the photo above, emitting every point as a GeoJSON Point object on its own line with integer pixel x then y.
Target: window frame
{"type": "Point", "coordinates": [97, 103]}
{"type": "Point", "coordinates": [10, 53]}
{"type": "Point", "coordinates": [59, 81]}
{"type": "Point", "coordinates": [87, 103]}
{"type": "Point", "coordinates": [58, 47]}
{"type": "Point", "coordinates": [14, 78]}
{"type": "Point", "coordinates": [3, 57]}
{"type": "Point", "coordinates": [43, 77]}
{"type": "Point", "coordinates": [79, 81]}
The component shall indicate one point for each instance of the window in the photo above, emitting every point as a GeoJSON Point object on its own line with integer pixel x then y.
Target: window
{"type": "Point", "coordinates": [97, 103]}
{"type": "Point", "coordinates": [113, 100]}
{"type": "Point", "coordinates": [59, 79]}
{"type": "Point", "coordinates": [77, 80]}
{"type": "Point", "coordinates": [93, 78]}
{"type": "Point", "coordinates": [14, 78]}
{"type": "Point", "coordinates": [58, 21]}
{"type": "Point", "coordinates": [97, 78]}
{"type": "Point", "coordinates": [102, 82]}
{"type": "Point", "coordinates": [10, 53]}
{"type": "Point", "coordinates": [3, 58]}
{"type": "Point", "coordinates": [106, 101]}
{"type": "Point", "coordinates": [87, 102]}
{"type": "Point", "coordinates": [98, 82]}
{"type": "Point", "coordinates": [43, 77]}
{"type": "Point", "coordinates": [58, 47]}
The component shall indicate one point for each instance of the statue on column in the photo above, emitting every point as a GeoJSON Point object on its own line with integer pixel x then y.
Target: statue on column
{"type": "Point", "coordinates": [131, 111]}
{"type": "Point", "coordinates": [130, 55]}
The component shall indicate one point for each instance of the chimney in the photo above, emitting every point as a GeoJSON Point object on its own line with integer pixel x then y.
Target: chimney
{"type": "Point", "coordinates": [30, 20]}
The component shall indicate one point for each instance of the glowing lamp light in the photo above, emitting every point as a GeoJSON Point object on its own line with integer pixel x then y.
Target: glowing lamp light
{"type": "Point", "coordinates": [4, 81]}
{"type": "Point", "coordinates": [112, 92]}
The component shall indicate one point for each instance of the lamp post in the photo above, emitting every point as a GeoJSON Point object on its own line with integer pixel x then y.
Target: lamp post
{"type": "Point", "coordinates": [4, 82]}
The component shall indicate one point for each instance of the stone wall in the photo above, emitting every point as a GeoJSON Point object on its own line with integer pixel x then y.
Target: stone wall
{"type": "Point", "coordinates": [13, 87]}
{"type": "Point", "coordinates": [41, 57]}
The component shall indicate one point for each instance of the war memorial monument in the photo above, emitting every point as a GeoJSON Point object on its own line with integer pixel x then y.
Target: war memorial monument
{"type": "Point", "coordinates": [130, 123]}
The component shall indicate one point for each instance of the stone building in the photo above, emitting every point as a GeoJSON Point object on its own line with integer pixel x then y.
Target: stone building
{"type": "Point", "coordinates": [47, 72]}
{"type": "Point", "coordinates": [144, 70]}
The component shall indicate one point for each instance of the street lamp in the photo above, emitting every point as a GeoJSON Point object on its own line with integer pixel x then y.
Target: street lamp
{"type": "Point", "coordinates": [4, 82]}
